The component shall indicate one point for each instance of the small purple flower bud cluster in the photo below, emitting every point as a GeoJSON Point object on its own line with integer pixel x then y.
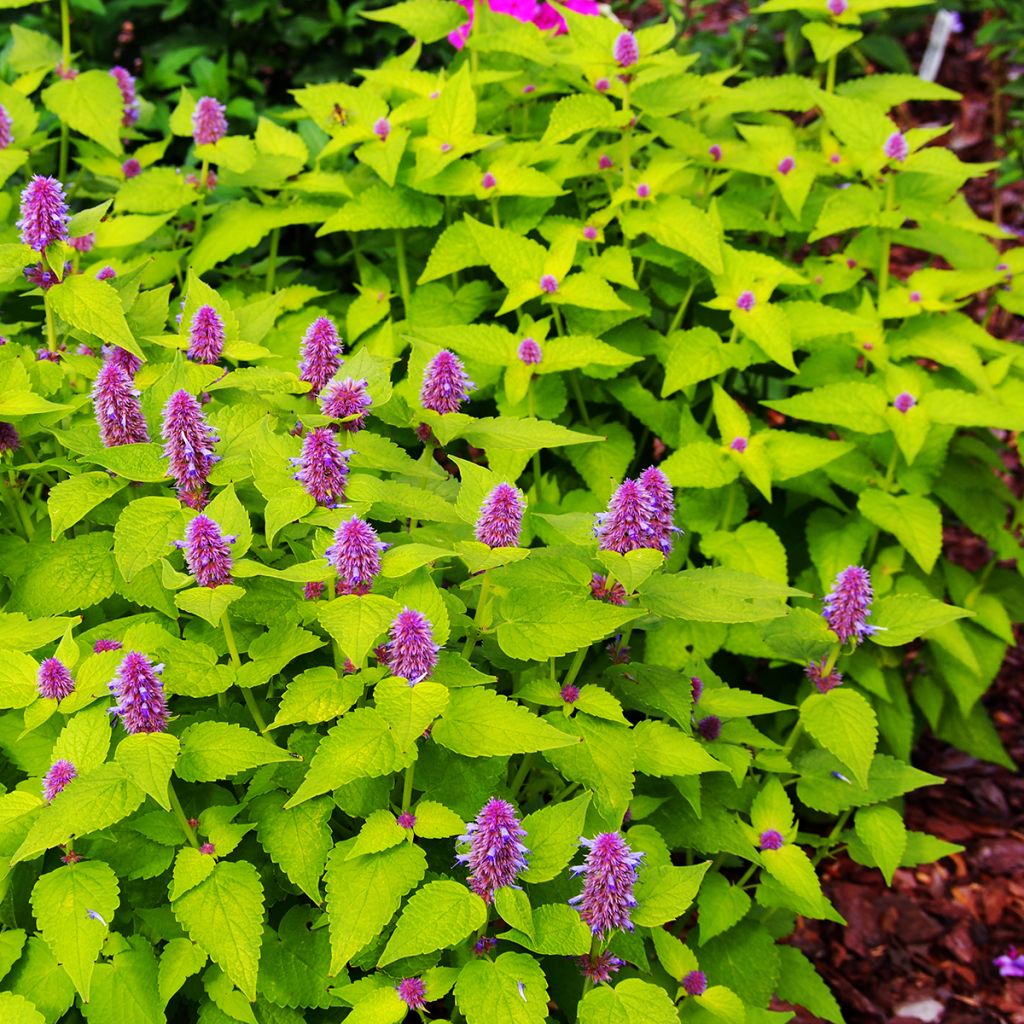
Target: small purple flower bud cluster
{"type": "Point", "coordinates": [44, 213]}
{"type": "Point", "coordinates": [60, 774]}
{"type": "Point", "coordinates": [488, 181]}
{"type": "Point", "coordinates": [640, 514]}
{"type": "Point", "coordinates": [382, 129]}
{"type": "Point", "coordinates": [771, 839]}
{"type": "Point", "coordinates": [530, 352]}
{"type": "Point", "coordinates": [599, 590]}
{"type": "Point", "coordinates": [6, 137]}
{"type": "Point", "coordinates": [896, 147]}
{"type": "Point", "coordinates": [848, 604]}
{"type": "Point", "coordinates": [355, 556]}
{"type": "Point", "coordinates": [320, 354]}
{"type": "Point", "coordinates": [104, 644]}
{"type": "Point", "coordinates": [323, 467]}
{"type": "Point", "coordinates": [342, 399]}
{"type": "Point", "coordinates": [746, 301]}
{"type": "Point", "coordinates": [83, 243]}
{"type": "Point", "coordinates": [141, 704]}
{"type": "Point", "coordinates": [695, 983]}
{"type": "Point", "coordinates": [548, 284]}
{"type": "Point", "coordinates": [710, 728]}
{"type": "Point", "coordinates": [570, 693]}
{"type": "Point", "coordinates": [54, 679]}
{"type": "Point", "coordinates": [205, 336]}
{"type": "Point", "coordinates": [406, 820]}
{"type": "Point", "coordinates": [128, 362]}
{"type": "Point", "coordinates": [609, 871]}
{"type": "Point", "coordinates": [496, 853]}
{"type": "Point", "coordinates": [413, 993]}
{"type": "Point", "coordinates": [116, 405]}
{"type": "Point", "coordinates": [823, 682]}
{"type": "Point", "coordinates": [207, 552]}
{"type": "Point", "coordinates": [625, 51]}
{"type": "Point", "coordinates": [313, 591]}
{"type": "Point", "coordinates": [9, 439]}
{"type": "Point", "coordinates": [786, 164]}
{"type": "Point", "coordinates": [484, 945]}
{"type": "Point", "coordinates": [715, 152]}
{"type": "Point", "coordinates": [126, 83]}
{"type": "Point", "coordinates": [501, 517]}
{"type": "Point", "coordinates": [411, 651]}
{"type": "Point", "coordinates": [209, 125]}
{"type": "Point", "coordinates": [188, 447]}
{"type": "Point", "coordinates": [42, 277]}
{"type": "Point", "coordinates": [739, 445]}
{"type": "Point", "coordinates": [904, 402]}
{"type": "Point", "coordinates": [599, 967]}
{"type": "Point", "coordinates": [446, 385]}
{"type": "Point", "coordinates": [131, 168]}
{"type": "Point", "coordinates": [1011, 963]}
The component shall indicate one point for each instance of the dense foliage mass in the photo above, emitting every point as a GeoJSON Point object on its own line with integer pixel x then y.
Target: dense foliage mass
{"type": "Point", "coordinates": [474, 545]}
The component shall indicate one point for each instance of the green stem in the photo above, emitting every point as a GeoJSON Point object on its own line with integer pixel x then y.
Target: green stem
{"type": "Point", "coordinates": [627, 138]}
{"type": "Point", "coordinates": [275, 240]}
{"type": "Point", "coordinates": [577, 394]}
{"type": "Point", "coordinates": [574, 669]}
{"type": "Point", "coordinates": [793, 737]}
{"type": "Point", "coordinates": [51, 333]}
{"type": "Point", "coordinates": [495, 216]}
{"type": "Point", "coordinates": [883, 263]}
{"type": "Point", "coordinates": [62, 166]}
{"type": "Point", "coordinates": [407, 787]}
{"type": "Point", "coordinates": [520, 777]}
{"type": "Point", "coordinates": [596, 946]}
{"type": "Point", "coordinates": [250, 700]}
{"type": "Point", "coordinates": [65, 59]}
{"type": "Point", "coordinates": [201, 208]}
{"type": "Point", "coordinates": [479, 621]}
{"type": "Point", "coordinates": [179, 813]}
{"type": "Point", "coordinates": [403, 271]}
{"type": "Point", "coordinates": [681, 311]}
{"type": "Point", "coordinates": [17, 512]}
{"type": "Point", "coordinates": [823, 851]}
{"type": "Point", "coordinates": [830, 75]}
{"type": "Point", "coordinates": [535, 462]}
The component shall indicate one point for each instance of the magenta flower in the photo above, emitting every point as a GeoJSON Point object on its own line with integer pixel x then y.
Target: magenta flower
{"type": "Point", "coordinates": [715, 152]}
{"type": "Point", "coordinates": [643, 190]}
{"type": "Point", "coordinates": [208, 849]}
{"type": "Point", "coordinates": [321, 354]}
{"type": "Point", "coordinates": [130, 102]}
{"type": "Point", "coordinates": [609, 872]}
{"type": "Point", "coordinates": [44, 213]}
{"type": "Point", "coordinates": [738, 444]}
{"type": "Point", "coordinates": [355, 556]}
{"type": "Point", "coordinates": [501, 517]}
{"type": "Point", "coordinates": [83, 243]}
{"type": "Point", "coordinates": [205, 336]}
{"type": "Point", "coordinates": [543, 15]}
{"type": "Point", "coordinates": [848, 604]}
{"type": "Point", "coordinates": [1011, 963]}
{"type": "Point", "coordinates": [605, 163]}
{"type": "Point", "coordinates": [413, 993]}
{"type": "Point", "coordinates": [915, 296]}
{"type": "Point", "coordinates": [60, 774]}
{"type": "Point", "coordinates": [323, 467]}
{"type": "Point", "coordinates": [116, 405]}
{"type": "Point", "coordinates": [695, 983]}
{"type": "Point", "coordinates": [496, 853]}
{"type": "Point", "coordinates": [548, 284]}
{"type": "Point", "coordinates": [207, 552]}
{"type": "Point", "coordinates": [837, 7]}
{"type": "Point", "coordinates": [6, 138]}
{"type": "Point", "coordinates": [628, 524]}
{"type": "Point", "coordinates": [569, 693]}
{"type": "Point", "coordinates": [484, 945]}
{"type": "Point", "coordinates": [141, 704]}
{"type": "Point", "coordinates": [625, 51]}
{"type": "Point", "coordinates": [590, 233]}
{"type": "Point", "coordinates": [696, 688]}
{"type": "Point", "coordinates": [746, 301]}
{"type": "Point", "coordinates": [106, 645]}
{"type": "Point", "coordinates": [106, 273]}
{"type": "Point", "coordinates": [710, 728]}
{"type": "Point", "coordinates": [663, 506]}
{"type": "Point", "coordinates": [786, 164]}
{"type": "Point", "coordinates": [771, 839]}
{"type": "Point", "coordinates": [488, 181]}
{"type": "Point", "coordinates": [66, 73]}
{"type": "Point", "coordinates": [128, 362]}
{"type": "Point", "coordinates": [599, 967]}
{"type": "Point", "coordinates": [530, 352]}
{"type": "Point", "coordinates": [896, 147]}
{"type": "Point", "coordinates": [209, 124]}
{"type": "Point", "coordinates": [42, 277]}
{"type": "Point", "coordinates": [131, 168]}
{"type": "Point", "coordinates": [446, 385]}
{"type": "Point", "coordinates": [343, 399]}
{"type": "Point", "coordinates": [188, 447]}
{"type": "Point", "coordinates": [904, 402]}
{"type": "Point", "coordinates": [9, 439]}
{"type": "Point", "coordinates": [54, 680]}
{"type": "Point", "coordinates": [815, 671]}
{"type": "Point", "coordinates": [406, 820]}
{"type": "Point", "coordinates": [411, 651]}
{"type": "Point", "coordinates": [602, 85]}
{"type": "Point", "coordinates": [382, 128]}
{"type": "Point", "coordinates": [599, 590]}
{"type": "Point", "coordinates": [313, 590]}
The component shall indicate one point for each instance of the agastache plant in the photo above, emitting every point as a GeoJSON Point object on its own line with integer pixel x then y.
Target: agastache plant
{"type": "Point", "coordinates": [209, 125]}
{"type": "Point", "coordinates": [188, 447]}
{"type": "Point", "coordinates": [848, 605]}
{"type": "Point", "coordinates": [6, 135]}
{"type": "Point", "coordinates": [141, 704]}
{"type": "Point", "coordinates": [320, 354]}
{"type": "Point", "coordinates": [346, 400]}
{"type": "Point", "coordinates": [44, 213]}
{"type": "Point", "coordinates": [115, 402]}
{"type": "Point", "coordinates": [57, 778]}
{"type": "Point", "coordinates": [501, 517]}
{"type": "Point", "coordinates": [54, 679]}
{"type": "Point", "coordinates": [411, 651]}
{"type": "Point", "coordinates": [496, 854]}
{"type": "Point", "coordinates": [207, 552]}
{"type": "Point", "coordinates": [205, 336]}
{"type": "Point", "coordinates": [446, 384]}
{"type": "Point", "coordinates": [609, 875]}
{"type": "Point", "coordinates": [355, 556]}
{"type": "Point", "coordinates": [323, 467]}
{"type": "Point", "coordinates": [126, 83]}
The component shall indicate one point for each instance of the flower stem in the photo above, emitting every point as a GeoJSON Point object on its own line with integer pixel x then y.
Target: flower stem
{"type": "Point", "coordinates": [179, 813]}
{"type": "Point", "coordinates": [250, 700]}
{"type": "Point", "coordinates": [574, 669]}
{"type": "Point", "coordinates": [883, 263]}
{"type": "Point", "coordinates": [275, 240]}
{"type": "Point", "coordinates": [65, 58]}
{"type": "Point", "coordinates": [830, 75]}
{"type": "Point", "coordinates": [403, 271]}
{"type": "Point", "coordinates": [479, 621]}
{"type": "Point", "coordinates": [51, 333]}
{"type": "Point", "coordinates": [201, 208]}
{"type": "Point", "coordinates": [407, 787]}
{"type": "Point", "coordinates": [520, 777]}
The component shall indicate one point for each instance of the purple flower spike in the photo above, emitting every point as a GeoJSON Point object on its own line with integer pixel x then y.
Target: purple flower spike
{"type": "Point", "coordinates": [696, 688]}
{"type": "Point", "coordinates": [83, 243]}
{"type": "Point", "coordinates": [715, 152]}
{"type": "Point", "coordinates": [1011, 963]}
{"type": "Point", "coordinates": [406, 820]}
{"type": "Point", "coordinates": [896, 147]}
{"type": "Point", "coordinates": [321, 354]}
{"type": "Point", "coordinates": [488, 181]}
{"type": "Point", "coordinates": [188, 447]}
{"type": "Point", "coordinates": [141, 704]}
{"type": "Point", "coordinates": [44, 213]}
{"type": "Point", "coordinates": [131, 168]}
{"type": "Point", "coordinates": [382, 129]}
{"type": "Point", "coordinates": [207, 552]}
{"type": "Point", "coordinates": [118, 356]}
{"type": "Point", "coordinates": [599, 967]}
{"type": "Point", "coordinates": [116, 404]}
{"type": "Point", "coordinates": [6, 138]}
{"type": "Point", "coordinates": [771, 839]}
{"type": "Point", "coordinates": [106, 645]}
{"type": "Point", "coordinates": [904, 402]}
{"type": "Point", "coordinates": [413, 993]}
{"type": "Point", "coordinates": [710, 727]}
{"type": "Point", "coordinates": [548, 284]}
{"type": "Point", "coordinates": [643, 190]}
{"type": "Point", "coordinates": [54, 679]}
{"type": "Point", "coordinates": [569, 693]}
{"type": "Point", "coordinates": [695, 983]}
{"type": "Point", "coordinates": [209, 124]}
{"type": "Point", "coordinates": [496, 854]}
{"type": "Point", "coordinates": [663, 506]}
{"type": "Point", "coordinates": [130, 102]}
{"type": "Point", "coordinates": [815, 671]}
{"type": "Point", "coordinates": [848, 604]}
{"type": "Point", "coordinates": [345, 398]}
{"type": "Point", "coordinates": [628, 524]}
{"type": "Point", "coordinates": [609, 876]}
{"type": "Point", "coordinates": [323, 467]}
{"type": "Point", "coordinates": [445, 383]}
{"type": "Point", "coordinates": [501, 517]}
{"type": "Point", "coordinates": [530, 352]}
{"type": "Point", "coordinates": [205, 336]}
{"type": "Point", "coordinates": [9, 439]}
{"type": "Point", "coordinates": [746, 301]}
{"type": "Point", "coordinates": [411, 651]}
{"type": "Point", "coordinates": [786, 164]}
{"type": "Point", "coordinates": [626, 52]}
{"type": "Point", "coordinates": [738, 444]}
{"type": "Point", "coordinates": [355, 556]}
{"type": "Point", "coordinates": [60, 774]}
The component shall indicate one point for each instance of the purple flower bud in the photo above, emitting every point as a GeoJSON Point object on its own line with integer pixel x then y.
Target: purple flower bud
{"type": "Point", "coordinates": [131, 168]}
{"type": "Point", "coordinates": [599, 590]}
{"type": "Point", "coordinates": [643, 190]}
{"type": "Point", "coordinates": [413, 993]}
{"type": "Point", "coordinates": [45, 355]}
{"type": "Point", "coordinates": [626, 52]}
{"type": "Point", "coordinates": [208, 849]}
{"type": "Point", "coordinates": [848, 604]}
{"type": "Point", "coordinates": [116, 405]}
{"type": "Point", "coordinates": [695, 983]}
{"type": "Point", "coordinates": [496, 854]}
{"type": "Point", "coordinates": [501, 517]}
{"type": "Point", "coordinates": [715, 152]}
{"type": "Point", "coordinates": [83, 243]}
{"type": "Point", "coordinates": [738, 444]}
{"type": "Point", "coordinates": [915, 296]}
{"type": "Point", "coordinates": [313, 590]}
{"type": "Point", "coordinates": [207, 552]}
{"type": "Point", "coordinates": [42, 277]}
{"type": "Point", "coordinates": [446, 147]}
{"type": "Point", "coordinates": [834, 158]}
{"type": "Point", "coordinates": [837, 7]}
{"type": "Point", "coordinates": [205, 336]}
{"type": "Point", "coordinates": [411, 651]}
{"type": "Point", "coordinates": [628, 524]}
{"type": "Point", "coordinates": [602, 85]}
{"type": "Point", "coordinates": [815, 671]}
{"type": "Point", "coordinates": [9, 439]}
{"type": "Point", "coordinates": [323, 467]}
{"type": "Point", "coordinates": [66, 73]}
{"type": "Point", "coordinates": [445, 383]}
{"type": "Point", "coordinates": [106, 645]}
{"type": "Point", "coordinates": [528, 89]}
{"type": "Point", "coordinates": [904, 402]}
{"type": "Point", "coordinates": [126, 82]}
{"type": "Point", "coordinates": [786, 164]}
{"type": "Point", "coordinates": [771, 839]}
{"type": "Point", "coordinates": [590, 233]}
{"type": "Point", "coordinates": [696, 688]}
{"type": "Point", "coordinates": [548, 284]}
{"type": "Point", "coordinates": [6, 138]}
{"type": "Point", "coordinates": [44, 213]}
{"type": "Point", "coordinates": [710, 727]}
{"type": "Point", "coordinates": [60, 774]}
{"type": "Point", "coordinates": [141, 704]}
{"type": "Point", "coordinates": [599, 967]}
{"type": "Point", "coordinates": [663, 506]}
{"type": "Point", "coordinates": [530, 352]}
{"type": "Point", "coordinates": [488, 181]}
{"type": "Point", "coordinates": [118, 356]}
{"type": "Point", "coordinates": [605, 162]}
{"type": "Point", "coordinates": [106, 273]}
{"type": "Point", "coordinates": [746, 301]}
{"type": "Point", "coordinates": [406, 820]}
{"type": "Point", "coordinates": [609, 876]}
{"type": "Point", "coordinates": [188, 448]}
{"type": "Point", "coordinates": [896, 147]}
{"type": "Point", "coordinates": [345, 398]}
{"type": "Point", "coordinates": [54, 679]}
{"type": "Point", "coordinates": [355, 556]}
{"type": "Point", "coordinates": [484, 945]}
{"type": "Point", "coordinates": [382, 128]}
{"type": "Point", "coordinates": [569, 693]}
{"type": "Point", "coordinates": [209, 124]}
{"type": "Point", "coordinates": [321, 354]}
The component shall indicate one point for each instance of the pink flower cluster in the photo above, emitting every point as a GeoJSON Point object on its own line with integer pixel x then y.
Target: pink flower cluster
{"type": "Point", "coordinates": [543, 15]}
